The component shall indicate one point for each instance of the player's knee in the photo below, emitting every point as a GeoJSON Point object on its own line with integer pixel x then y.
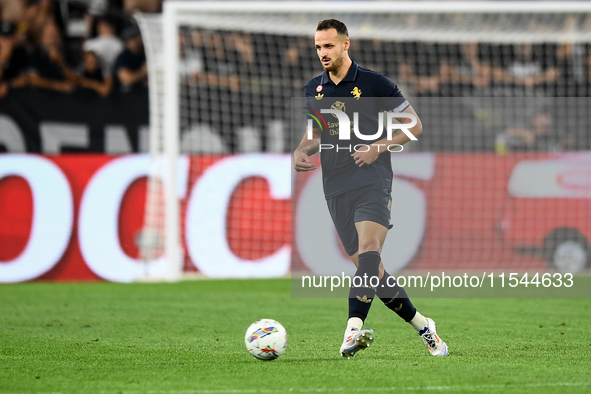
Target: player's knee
{"type": "Point", "coordinates": [372, 245]}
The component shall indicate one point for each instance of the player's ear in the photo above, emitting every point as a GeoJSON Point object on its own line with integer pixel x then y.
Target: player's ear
{"type": "Point", "coordinates": [347, 43]}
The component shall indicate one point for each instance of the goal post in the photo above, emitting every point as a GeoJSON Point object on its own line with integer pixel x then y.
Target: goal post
{"type": "Point", "coordinates": [161, 232]}
{"type": "Point", "coordinates": [257, 56]}
{"type": "Point", "coordinates": [172, 241]}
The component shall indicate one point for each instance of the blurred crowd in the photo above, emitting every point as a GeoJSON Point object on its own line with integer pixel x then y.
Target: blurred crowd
{"type": "Point", "coordinates": [248, 77]}
{"type": "Point", "coordinates": [422, 68]}
{"type": "Point", "coordinates": [68, 46]}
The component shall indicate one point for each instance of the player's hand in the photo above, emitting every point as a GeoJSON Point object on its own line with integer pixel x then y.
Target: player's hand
{"type": "Point", "coordinates": [366, 158]}
{"type": "Point", "coordinates": [301, 161]}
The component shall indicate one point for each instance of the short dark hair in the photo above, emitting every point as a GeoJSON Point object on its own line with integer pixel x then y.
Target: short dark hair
{"type": "Point", "coordinates": [333, 24]}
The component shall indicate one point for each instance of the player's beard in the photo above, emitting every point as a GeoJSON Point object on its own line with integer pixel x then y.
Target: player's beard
{"type": "Point", "coordinates": [334, 65]}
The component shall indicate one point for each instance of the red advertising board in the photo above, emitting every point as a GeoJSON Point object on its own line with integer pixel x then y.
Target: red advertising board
{"type": "Point", "coordinates": [77, 217]}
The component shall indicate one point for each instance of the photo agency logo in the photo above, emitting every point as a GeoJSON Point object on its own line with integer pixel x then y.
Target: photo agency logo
{"type": "Point", "coordinates": [343, 127]}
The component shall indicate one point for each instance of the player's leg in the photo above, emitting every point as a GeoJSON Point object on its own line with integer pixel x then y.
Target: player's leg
{"type": "Point", "coordinates": [342, 211]}
{"type": "Point", "coordinates": [372, 220]}
{"type": "Point", "coordinates": [393, 295]}
{"type": "Point", "coordinates": [371, 237]}
{"type": "Point", "coordinates": [363, 286]}
{"type": "Point", "coordinates": [396, 299]}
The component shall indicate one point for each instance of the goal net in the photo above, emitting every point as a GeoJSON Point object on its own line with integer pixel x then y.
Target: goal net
{"type": "Point", "coordinates": [501, 171]}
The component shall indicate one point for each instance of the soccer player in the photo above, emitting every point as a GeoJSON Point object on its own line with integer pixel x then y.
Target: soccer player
{"type": "Point", "coordinates": [357, 184]}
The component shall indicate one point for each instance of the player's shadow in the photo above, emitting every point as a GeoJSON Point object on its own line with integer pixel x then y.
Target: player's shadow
{"type": "Point", "coordinates": [301, 360]}
{"type": "Point", "coordinates": [291, 360]}
{"type": "Point", "coordinates": [310, 360]}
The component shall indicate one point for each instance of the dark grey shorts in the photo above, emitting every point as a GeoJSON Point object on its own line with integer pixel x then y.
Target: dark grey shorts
{"type": "Point", "coordinates": [364, 204]}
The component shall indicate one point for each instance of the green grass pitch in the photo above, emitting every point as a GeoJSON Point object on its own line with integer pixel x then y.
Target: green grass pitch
{"type": "Point", "coordinates": [188, 337]}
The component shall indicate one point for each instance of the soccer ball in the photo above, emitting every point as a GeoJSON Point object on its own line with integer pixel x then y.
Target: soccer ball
{"type": "Point", "coordinates": [266, 339]}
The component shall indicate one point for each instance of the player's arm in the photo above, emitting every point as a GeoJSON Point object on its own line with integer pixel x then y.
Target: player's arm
{"type": "Point", "coordinates": [306, 148]}
{"type": "Point", "coordinates": [398, 138]}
